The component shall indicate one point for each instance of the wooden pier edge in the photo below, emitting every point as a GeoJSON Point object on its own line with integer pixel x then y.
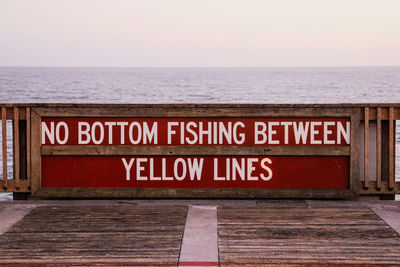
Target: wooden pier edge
{"type": "Point", "coordinates": [385, 115]}
{"type": "Point", "coordinates": [241, 193]}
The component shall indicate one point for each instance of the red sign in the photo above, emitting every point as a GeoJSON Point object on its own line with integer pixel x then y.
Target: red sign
{"type": "Point", "coordinates": [195, 172]}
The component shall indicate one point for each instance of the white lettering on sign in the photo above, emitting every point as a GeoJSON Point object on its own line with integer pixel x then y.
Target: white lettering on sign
{"type": "Point", "coordinates": [265, 167]}
{"type": "Point", "coordinates": [170, 131]}
{"type": "Point", "coordinates": [210, 133]}
{"type": "Point", "coordinates": [110, 125]}
{"type": "Point", "coordinates": [239, 138]}
{"type": "Point", "coordinates": [46, 132]}
{"type": "Point", "coordinates": [315, 132]}
{"type": "Point", "coordinates": [191, 132]}
{"type": "Point", "coordinates": [272, 132]}
{"type": "Point", "coordinates": [55, 136]}
{"type": "Point", "coordinates": [122, 130]}
{"type": "Point", "coordinates": [343, 132]}
{"type": "Point", "coordinates": [265, 132]}
{"type": "Point", "coordinates": [83, 131]}
{"type": "Point", "coordinates": [192, 169]}
{"type": "Point", "coordinates": [128, 167]}
{"type": "Point", "coordinates": [243, 170]}
{"type": "Point", "coordinates": [137, 132]}
{"type": "Point", "coordinates": [181, 167]}
{"type": "Point", "coordinates": [97, 128]}
{"type": "Point", "coordinates": [195, 168]}
{"type": "Point", "coordinates": [328, 132]}
{"type": "Point", "coordinates": [286, 124]}
{"type": "Point", "coordinates": [300, 132]}
{"type": "Point", "coordinates": [260, 129]}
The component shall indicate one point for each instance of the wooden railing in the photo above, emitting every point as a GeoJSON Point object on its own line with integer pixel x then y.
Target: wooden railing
{"type": "Point", "coordinates": [377, 162]}
{"type": "Point", "coordinates": [379, 124]}
{"type": "Point", "coordinates": [17, 117]}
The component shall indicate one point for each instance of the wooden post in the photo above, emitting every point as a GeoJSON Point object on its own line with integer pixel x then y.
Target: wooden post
{"type": "Point", "coordinates": [366, 146]}
{"type": "Point", "coordinates": [22, 190]}
{"type": "Point", "coordinates": [22, 147]}
{"type": "Point", "coordinates": [391, 149]}
{"type": "Point", "coordinates": [378, 148]}
{"type": "Point", "coordinates": [16, 147]}
{"type": "Point", "coordinates": [28, 145]}
{"type": "Point", "coordinates": [4, 143]}
{"type": "Point", "coordinates": [35, 160]}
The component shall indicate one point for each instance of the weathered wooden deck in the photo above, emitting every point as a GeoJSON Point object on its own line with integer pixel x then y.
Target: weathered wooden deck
{"type": "Point", "coordinates": [150, 232]}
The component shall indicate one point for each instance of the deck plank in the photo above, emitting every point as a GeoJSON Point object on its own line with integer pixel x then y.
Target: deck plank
{"type": "Point", "coordinates": [348, 234]}
{"type": "Point", "coordinates": [96, 233]}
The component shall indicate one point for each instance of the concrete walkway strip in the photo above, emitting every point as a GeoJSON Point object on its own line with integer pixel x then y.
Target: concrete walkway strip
{"type": "Point", "coordinates": [10, 215]}
{"type": "Point", "coordinates": [200, 239]}
{"type": "Point", "coordinates": [390, 214]}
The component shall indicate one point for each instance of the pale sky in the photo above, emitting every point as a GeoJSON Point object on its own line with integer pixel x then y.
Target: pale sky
{"type": "Point", "coordinates": [199, 33]}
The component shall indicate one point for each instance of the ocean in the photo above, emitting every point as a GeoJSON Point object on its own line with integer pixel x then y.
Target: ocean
{"type": "Point", "coordinates": [200, 85]}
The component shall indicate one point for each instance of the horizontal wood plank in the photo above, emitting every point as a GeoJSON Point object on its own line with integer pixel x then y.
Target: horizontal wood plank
{"type": "Point", "coordinates": [206, 111]}
{"type": "Point", "coordinates": [385, 189]}
{"type": "Point", "coordinates": [197, 150]}
{"type": "Point", "coordinates": [192, 193]}
{"type": "Point", "coordinates": [13, 186]}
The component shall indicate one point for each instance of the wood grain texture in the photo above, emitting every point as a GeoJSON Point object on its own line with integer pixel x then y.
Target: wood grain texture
{"type": "Point", "coordinates": [378, 148]}
{"type": "Point", "coordinates": [372, 106]}
{"type": "Point", "coordinates": [35, 151]}
{"type": "Point", "coordinates": [385, 112]}
{"type": "Point", "coordinates": [18, 182]}
{"type": "Point", "coordinates": [28, 144]}
{"type": "Point", "coordinates": [22, 149]}
{"type": "Point", "coordinates": [355, 133]}
{"type": "Point", "coordinates": [384, 190]}
{"type": "Point", "coordinates": [197, 150]}
{"type": "Point", "coordinates": [192, 193]}
{"type": "Point", "coordinates": [366, 147]}
{"type": "Point", "coordinates": [4, 144]}
{"type": "Point", "coordinates": [123, 233]}
{"type": "Point", "coordinates": [10, 186]}
{"type": "Point", "coordinates": [195, 111]}
{"type": "Point", "coordinates": [16, 146]}
{"type": "Point", "coordinates": [190, 105]}
{"type": "Point", "coordinates": [253, 236]}
{"type": "Point", "coordinates": [392, 148]}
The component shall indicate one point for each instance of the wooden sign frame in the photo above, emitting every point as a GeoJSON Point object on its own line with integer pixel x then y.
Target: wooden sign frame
{"type": "Point", "coordinates": [187, 111]}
